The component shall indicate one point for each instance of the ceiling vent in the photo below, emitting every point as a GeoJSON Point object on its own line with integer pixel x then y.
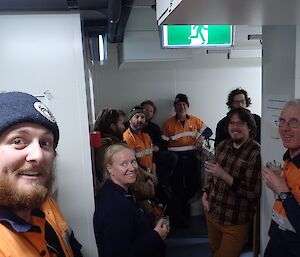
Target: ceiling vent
{"type": "Point", "coordinates": [72, 4]}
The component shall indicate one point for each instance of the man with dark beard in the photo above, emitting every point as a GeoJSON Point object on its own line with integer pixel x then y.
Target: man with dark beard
{"type": "Point", "coordinates": [110, 123]}
{"type": "Point", "coordinates": [233, 189]}
{"type": "Point", "coordinates": [236, 98]}
{"type": "Point", "coordinates": [31, 223]}
{"type": "Point", "coordinates": [141, 144]}
{"type": "Point", "coordinates": [139, 141]}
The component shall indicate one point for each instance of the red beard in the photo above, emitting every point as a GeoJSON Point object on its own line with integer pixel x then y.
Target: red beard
{"type": "Point", "coordinates": [18, 199]}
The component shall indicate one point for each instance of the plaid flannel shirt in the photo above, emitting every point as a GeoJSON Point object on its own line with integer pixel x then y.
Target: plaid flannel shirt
{"type": "Point", "coordinates": [233, 205]}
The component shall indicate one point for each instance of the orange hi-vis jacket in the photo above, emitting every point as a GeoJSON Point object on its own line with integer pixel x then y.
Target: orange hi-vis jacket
{"type": "Point", "coordinates": [182, 137]}
{"type": "Point", "coordinates": [291, 169]}
{"type": "Point", "coordinates": [32, 243]}
{"type": "Point", "coordinates": [141, 144]}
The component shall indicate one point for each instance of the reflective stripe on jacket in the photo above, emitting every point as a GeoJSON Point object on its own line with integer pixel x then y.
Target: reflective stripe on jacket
{"type": "Point", "coordinates": [282, 221]}
{"type": "Point", "coordinates": [141, 144]}
{"type": "Point", "coordinates": [183, 136]}
{"type": "Point", "coordinates": [292, 176]}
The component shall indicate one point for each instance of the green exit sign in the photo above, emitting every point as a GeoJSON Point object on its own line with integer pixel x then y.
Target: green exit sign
{"type": "Point", "coordinates": [185, 36]}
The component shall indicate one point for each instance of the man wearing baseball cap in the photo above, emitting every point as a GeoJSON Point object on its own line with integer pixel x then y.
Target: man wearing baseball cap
{"type": "Point", "coordinates": [184, 134]}
{"type": "Point", "coordinates": [31, 223]}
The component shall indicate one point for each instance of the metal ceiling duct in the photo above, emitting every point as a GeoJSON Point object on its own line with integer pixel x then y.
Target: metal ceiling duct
{"type": "Point", "coordinates": [112, 14]}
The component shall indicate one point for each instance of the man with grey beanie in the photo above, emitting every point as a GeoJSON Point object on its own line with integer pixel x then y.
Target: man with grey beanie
{"type": "Point", "coordinates": [31, 223]}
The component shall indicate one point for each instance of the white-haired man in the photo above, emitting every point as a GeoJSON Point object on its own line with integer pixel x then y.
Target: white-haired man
{"type": "Point", "coordinates": [284, 231]}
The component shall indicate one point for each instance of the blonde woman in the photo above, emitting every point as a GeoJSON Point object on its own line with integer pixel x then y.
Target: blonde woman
{"type": "Point", "coordinates": [122, 229]}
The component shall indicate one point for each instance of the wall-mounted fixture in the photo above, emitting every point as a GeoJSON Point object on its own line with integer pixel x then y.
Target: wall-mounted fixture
{"type": "Point", "coordinates": [255, 37]}
{"type": "Point", "coordinates": [97, 44]}
{"type": "Point", "coordinates": [225, 51]}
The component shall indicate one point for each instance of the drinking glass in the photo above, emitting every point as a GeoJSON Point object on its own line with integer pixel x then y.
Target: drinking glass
{"type": "Point", "coordinates": [275, 166]}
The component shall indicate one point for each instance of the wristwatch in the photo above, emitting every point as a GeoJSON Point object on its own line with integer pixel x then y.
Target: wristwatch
{"type": "Point", "coordinates": [284, 195]}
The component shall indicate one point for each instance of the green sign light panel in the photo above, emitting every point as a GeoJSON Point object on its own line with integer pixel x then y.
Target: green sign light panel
{"type": "Point", "coordinates": [185, 36]}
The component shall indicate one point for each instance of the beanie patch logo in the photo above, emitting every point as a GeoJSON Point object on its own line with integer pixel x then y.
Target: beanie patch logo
{"type": "Point", "coordinates": [43, 109]}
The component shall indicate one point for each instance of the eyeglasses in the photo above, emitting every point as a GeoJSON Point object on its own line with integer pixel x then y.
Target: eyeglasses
{"type": "Point", "coordinates": [239, 101]}
{"type": "Point", "coordinates": [237, 123]}
{"type": "Point", "coordinates": [293, 123]}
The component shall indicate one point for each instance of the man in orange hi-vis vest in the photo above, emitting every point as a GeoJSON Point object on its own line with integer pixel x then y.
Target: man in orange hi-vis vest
{"type": "Point", "coordinates": [184, 135]}
{"type": "Point", "coordinates": [284, 181]}
{"type": "Point", "coordinates": [31, 223]}
{"type": "Point", "coordinates": [140, 142]}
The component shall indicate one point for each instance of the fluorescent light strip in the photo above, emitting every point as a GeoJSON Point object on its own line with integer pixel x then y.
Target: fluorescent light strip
{"type": "Point", "coordinates": [101, 48]}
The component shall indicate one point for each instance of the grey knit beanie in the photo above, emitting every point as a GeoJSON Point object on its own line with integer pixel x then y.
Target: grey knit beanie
{"type": "Point", "coordinates": [19, 107]}
{"type": "Point", "coordinates": [135, 110]}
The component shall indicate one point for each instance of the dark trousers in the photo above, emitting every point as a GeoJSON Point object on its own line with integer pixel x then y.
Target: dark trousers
{"type": "Point", "coordinates": [185, 182]}
{"type": "Point", "coordinates": [165, 163]}
{"type": "Point", "coordinates": [282, 243]}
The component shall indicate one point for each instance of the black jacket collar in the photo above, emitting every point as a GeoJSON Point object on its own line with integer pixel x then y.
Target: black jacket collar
{"type": "Point", "coordinates": [295, 160]}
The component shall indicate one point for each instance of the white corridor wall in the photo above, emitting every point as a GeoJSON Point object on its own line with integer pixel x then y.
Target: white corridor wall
{"type": "Point", "coordinates": [41, 53]}
{"type": "Point", "coordinates": [206, 79]}
{"type": "Point", "coordinates": [278, 83]}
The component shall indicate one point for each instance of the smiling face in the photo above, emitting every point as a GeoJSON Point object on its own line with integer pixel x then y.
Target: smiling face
{"type": "Point", "coordinates": [181, 109]}
{"type": "Point", "coordinates": [238, 130]}
{"type": "Point", "coordinates": [26, 164]}
{"type": "Point", "coordinates": [290, 136]}
{"type": "Point", "coordinates": [123, 168]}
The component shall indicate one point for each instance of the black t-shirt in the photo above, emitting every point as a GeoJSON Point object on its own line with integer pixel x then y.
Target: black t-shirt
{"type": "Point", "coordinates": [154, 132]}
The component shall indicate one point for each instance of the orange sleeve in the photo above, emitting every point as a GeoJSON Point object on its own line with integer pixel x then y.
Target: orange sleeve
{"type": "Point", "coordinates": [198, 123]}
{"type": "Point", "coordinates": [166, 129]}
{"type": "Point", "coordinates": [129, 140]}
{"type": "Point", "coordinates": [294, 184]}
